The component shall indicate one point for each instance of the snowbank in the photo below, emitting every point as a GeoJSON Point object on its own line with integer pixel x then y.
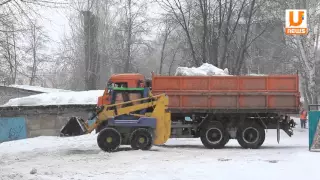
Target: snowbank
{"type": "Point", "coordinates": [204, 70]}
{"type": "Point", "coordinates": [68, 158]}
{"type": "Point", "coordinates": [57, 98]}
{"type": "Point", "coordinates": [38, 88]}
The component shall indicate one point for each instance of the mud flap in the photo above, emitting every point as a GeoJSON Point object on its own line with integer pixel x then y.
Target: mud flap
{"type": "Point", "coordinates": [74, 127]}
{"type": "Point", "coordinates": [286, 125]}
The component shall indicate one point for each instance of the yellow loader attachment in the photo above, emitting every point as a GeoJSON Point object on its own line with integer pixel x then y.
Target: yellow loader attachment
{"type": "Point", "coordinates": [124, 125]}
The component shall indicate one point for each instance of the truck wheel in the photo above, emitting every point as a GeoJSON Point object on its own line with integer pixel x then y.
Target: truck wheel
{"type": "Point", "coordinates": [109, 139]}
{"type": "Point", "coordinates": [250, 136]}
{"type": "Point", "coordinates": [141, 138]}
{"type": "Point", "coordinates": [214, 136]}
{"type": "Point", "coordinates": [263, 137]}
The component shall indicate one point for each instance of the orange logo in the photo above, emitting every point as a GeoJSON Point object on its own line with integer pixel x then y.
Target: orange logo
{"type": "Point", "coordinates": [296, 22]}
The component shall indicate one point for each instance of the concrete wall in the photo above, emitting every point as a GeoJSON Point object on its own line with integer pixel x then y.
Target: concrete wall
{"type": "Point", "coordinates": [44, 121]}
{"type": "Point", "coordinates": [48, 124]}
{"type": "Point", "coordinates": [7, 93]}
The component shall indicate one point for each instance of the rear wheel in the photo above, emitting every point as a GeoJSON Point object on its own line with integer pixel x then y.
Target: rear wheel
{"type": "Point", "coordinates": [214, 136]}
{"type": "Point", "coordinates": [251, 136]}
{"type": "Point", "coordinates": [263, 137]}
{"type": "Point", "coordinates": [141, 139]}
{"type": "Point", "coordinates": [109, 139]}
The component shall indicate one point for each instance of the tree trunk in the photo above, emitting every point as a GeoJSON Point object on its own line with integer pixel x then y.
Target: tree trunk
{"type": "Point", "coordinates": [15, 58]}
{"type": "Point", "coordinates": [129, 38]}
{"type": "Point", "coordinates": [213, 52]}
{"type": "Point", "coordinates": [226, 37]}
{"type": "Point", "coordinates": [163, 49]}
{"type": "Point", "coordinates": [172, 62]}
{"type": "Point", "coordinates": [204, 11]}
{"type": "Point", "coordinates": [34, 56]}
{"type": "Point", "coordinates": [310, 72]}
{"type": "Point", "coordinates": [243, 48]}
{"type": "Point", "coordinates": [91, 50]}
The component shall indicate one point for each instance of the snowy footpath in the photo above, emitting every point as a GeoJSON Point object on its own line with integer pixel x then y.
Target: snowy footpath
{"type": "Point", "coordinates": [52, 158]}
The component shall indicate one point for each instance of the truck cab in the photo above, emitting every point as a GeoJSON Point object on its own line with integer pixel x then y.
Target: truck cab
{"type": "Point", "coordinates": [129, 80]}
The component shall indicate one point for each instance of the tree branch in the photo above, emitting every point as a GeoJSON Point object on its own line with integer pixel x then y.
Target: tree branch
{"type": "Point", "coordinates": [5, 2]}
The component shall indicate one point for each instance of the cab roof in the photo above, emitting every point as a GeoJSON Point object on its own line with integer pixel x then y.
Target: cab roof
{"type": "Point", "coordinates": [127, 76]}
{"type": "Point", "coordinates": [127, 89]}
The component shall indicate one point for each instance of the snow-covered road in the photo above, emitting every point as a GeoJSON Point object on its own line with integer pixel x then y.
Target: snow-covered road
{"type": "Point", "coordinates": [80, 158]}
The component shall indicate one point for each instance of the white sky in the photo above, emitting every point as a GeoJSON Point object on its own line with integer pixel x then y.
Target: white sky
{"type": "Point", "coordinates": [55, 21]}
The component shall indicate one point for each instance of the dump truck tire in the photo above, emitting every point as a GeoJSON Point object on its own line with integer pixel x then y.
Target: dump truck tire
{"type": "Point", "coordinates": [250, 135]}
{"type": "Point", "coordinates": [214, 136]}
{"type": "Point", "coordinates": [263, 137]}
{"type": "Point", "coordinates": [109, 139]}
{"type": "Point", "coordinates": [141, 138]}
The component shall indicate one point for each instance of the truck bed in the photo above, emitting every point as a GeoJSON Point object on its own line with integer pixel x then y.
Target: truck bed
{"type": "Point", "coordinates": [230, 93]}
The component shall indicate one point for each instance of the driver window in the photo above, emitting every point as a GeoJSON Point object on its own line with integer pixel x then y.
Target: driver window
{"type": "Point", "coordinates": [134, 96]}
{"type": "Point", "coordinates": [125, 96]}
{"type": "Point", "coordinates": [119, 98]}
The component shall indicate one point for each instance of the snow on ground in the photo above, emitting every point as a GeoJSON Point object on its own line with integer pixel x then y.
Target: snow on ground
{"type": "Point", "coordinates": [204, 70]}
{"type": "Point", "coordinates": [38, 88]}
{"type": "Point", "coordinates": [80, 158]}
{"type": "Point", "coordinates": [57, 98]}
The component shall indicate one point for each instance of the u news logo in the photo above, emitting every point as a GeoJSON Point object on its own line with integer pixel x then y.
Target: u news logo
{"type": "Point", "coordinates": [296, 22]}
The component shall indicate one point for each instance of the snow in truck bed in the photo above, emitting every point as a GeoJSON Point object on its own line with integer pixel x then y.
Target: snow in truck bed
{"type": "Point", "coordinates": [80, 158]}
{"type": "Point", "coordinates": [205, 69]}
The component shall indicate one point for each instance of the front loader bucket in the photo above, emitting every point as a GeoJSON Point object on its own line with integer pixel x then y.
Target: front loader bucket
{"type": "Point", "coordinates": [74, 127]}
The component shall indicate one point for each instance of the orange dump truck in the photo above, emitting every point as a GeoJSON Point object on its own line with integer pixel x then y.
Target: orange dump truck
{"type": "Point", "coordinates": [219, 108]}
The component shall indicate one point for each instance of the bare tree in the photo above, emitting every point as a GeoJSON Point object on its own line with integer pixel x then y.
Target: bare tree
{"type": "Point", "coordinates": [181, 11]}
{"type": "Point", "coordinates": [35, 51]}
{"type": "Point", "coordinates": [168, 28]}
{"type": "Point", "coordinates": [92, 59]}
{"type": "Point", "coordinates": [8, 49]}
{"type": "Point", "coordinates": [205, 12]}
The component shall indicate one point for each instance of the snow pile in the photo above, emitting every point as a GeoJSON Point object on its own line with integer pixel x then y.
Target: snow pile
{"type": "Point", "coordinates": [47, 142]}
{"type": "Point", "coordinates": [204, 70]}
{"type": "Point", "coordinates": [38, 88]}
{"type": "Point", "coordinates": [57, 98]}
